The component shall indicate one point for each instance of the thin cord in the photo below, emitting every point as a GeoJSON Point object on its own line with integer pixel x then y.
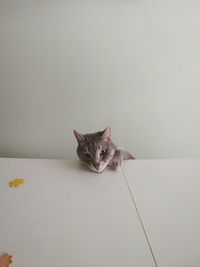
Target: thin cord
{"type": "Point", "coordinates": [140, 219]}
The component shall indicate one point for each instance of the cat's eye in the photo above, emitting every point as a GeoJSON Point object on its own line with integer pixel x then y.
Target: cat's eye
{"type": "Point", "coordinates": [103, 152]}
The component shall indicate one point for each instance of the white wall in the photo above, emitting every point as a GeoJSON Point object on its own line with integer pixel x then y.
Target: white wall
{"type": "Point", "coordinates": [133, 65]}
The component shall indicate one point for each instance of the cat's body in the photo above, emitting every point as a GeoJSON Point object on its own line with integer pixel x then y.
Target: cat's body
{"type": "Point", "coordinates": [97, 151]}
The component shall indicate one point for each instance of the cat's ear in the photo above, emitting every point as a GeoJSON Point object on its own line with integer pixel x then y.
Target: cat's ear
{"type": "Point", "coordinates": [127, 155]}
{"type": "Point", "coordinates": [79, 137]}
{"type": "Point", "coordinates": [106, 134]}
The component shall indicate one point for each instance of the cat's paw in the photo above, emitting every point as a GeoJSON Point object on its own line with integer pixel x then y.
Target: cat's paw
{"type": "Point", "coordinates": [115, 165]}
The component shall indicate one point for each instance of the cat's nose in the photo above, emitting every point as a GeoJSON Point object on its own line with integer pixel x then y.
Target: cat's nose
{"type": "Point", "coordinates": [96, 165]}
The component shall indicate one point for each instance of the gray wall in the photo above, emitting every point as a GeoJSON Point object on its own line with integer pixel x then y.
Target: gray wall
{"type": "Point", "coordinates": [133, 65]}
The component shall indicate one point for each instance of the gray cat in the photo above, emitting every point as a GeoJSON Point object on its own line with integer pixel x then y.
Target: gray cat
{"type": "Point", "coordinates": [97, 151]}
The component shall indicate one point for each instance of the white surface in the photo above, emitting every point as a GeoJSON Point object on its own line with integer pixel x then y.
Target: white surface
{"type": "Point", "coordinates": [133, 65]}
{"type": "Point", "coordinates": [167, 194]}
{"type": "Point", "coordinates": [65, 215]}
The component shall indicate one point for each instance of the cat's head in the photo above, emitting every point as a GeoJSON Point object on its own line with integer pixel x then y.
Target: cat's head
{"type": "Point", "coordinates": [95, 149]}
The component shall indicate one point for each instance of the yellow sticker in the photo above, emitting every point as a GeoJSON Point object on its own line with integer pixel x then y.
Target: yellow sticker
{"type": "Point", "coordinates": [16, 182]}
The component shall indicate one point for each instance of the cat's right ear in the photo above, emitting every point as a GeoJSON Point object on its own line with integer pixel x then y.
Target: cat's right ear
{"type": "Point", "coordinates": [79, 137]}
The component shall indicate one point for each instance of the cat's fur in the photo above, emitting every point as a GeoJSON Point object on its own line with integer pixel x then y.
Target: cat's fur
{"type": "Point", "coordinates": [97, 151]}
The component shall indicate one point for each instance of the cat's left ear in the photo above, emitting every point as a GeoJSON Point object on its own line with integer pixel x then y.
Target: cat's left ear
{"type": "Point", "coordinates": [79, 137]}
{"type": "Point", "coordinates": [127, 155]}
{"type": "Point", "coordinates": [106, 134]}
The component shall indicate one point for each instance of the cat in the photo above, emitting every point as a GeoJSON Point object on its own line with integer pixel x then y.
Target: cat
{"type": "Point", "coordinates": [97, 151]}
